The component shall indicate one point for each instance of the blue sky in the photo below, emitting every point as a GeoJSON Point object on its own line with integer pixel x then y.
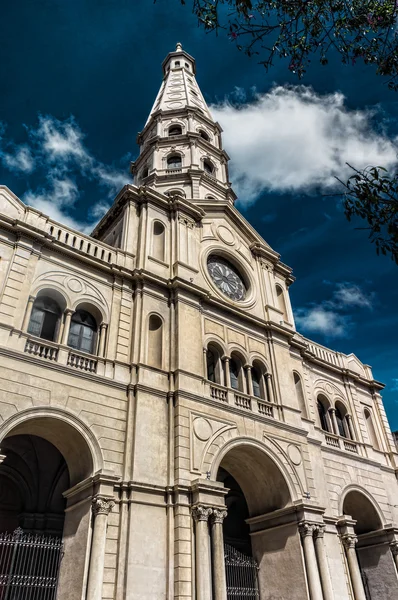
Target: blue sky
{"type": "Point", "coordinates": [78, 80]}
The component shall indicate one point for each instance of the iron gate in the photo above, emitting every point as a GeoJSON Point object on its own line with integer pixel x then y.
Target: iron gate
{"type": "Point", "coordinates": [241, 574]}
{"type": "Point", "coordinates": [29, 566]}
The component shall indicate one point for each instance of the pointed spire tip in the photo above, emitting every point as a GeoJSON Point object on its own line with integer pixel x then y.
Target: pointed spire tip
{"type": "Point", "coordinates": [178, 47]}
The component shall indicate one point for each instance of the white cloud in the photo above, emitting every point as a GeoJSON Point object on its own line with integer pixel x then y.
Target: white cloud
{"type": "Point", "coordinates": [330, 317]}
{"type": "Point", "coordinates": [317, 319]}
{"type": "Point", "coordinates": [15, 158]}
{"type": "Point", "coordinates": [61, 140]}
{"type": "Point", "coordinates": [349, 294]}
{"type": "Point", "coordinates": [294, 140]}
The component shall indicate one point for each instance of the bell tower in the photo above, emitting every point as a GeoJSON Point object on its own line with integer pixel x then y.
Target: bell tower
{"type": "Point", "coordinates": [180, 146]}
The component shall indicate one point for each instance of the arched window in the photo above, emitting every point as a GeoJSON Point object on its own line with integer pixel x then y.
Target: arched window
{"type": "Point", "coordinates": [82, 332]}
{"type": "Point", "coordinates": [371, 429]}
{"type": "Point", "coordinates": [213, 364]}
{"type": "Point", "coordinates": [155, 341]}
{"type": "Point", "coordinates": [257, 381]}
{"type": "Point", "coordinates": [204, 135]}
{"type": "Point", "coordinates": [280, 296]}
{"type": "Point", "coordinates": [174, 161]}
{"type": "Point", "coordinates": [158, 240]}
{"type": "Point", "coordinates": [235, 373]}
{"type": "Point", "coordinates": [175, 130]}
{"type": "Point", "coordinates": [299, 393]}
{"type": "Point", "coordinates": [208, 166]}
{"type": "Point", "coordinates": [177, 63]}
{"type": "Point", "coordinates": [341, 426]}
{"type": "Point", "coordinates": [45, 318]}
{"type": "Point", "coordinates": [322, 415]}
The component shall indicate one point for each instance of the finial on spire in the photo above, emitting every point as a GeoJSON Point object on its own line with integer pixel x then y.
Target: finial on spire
{"type": "Point", "coordinates": [178, 47]}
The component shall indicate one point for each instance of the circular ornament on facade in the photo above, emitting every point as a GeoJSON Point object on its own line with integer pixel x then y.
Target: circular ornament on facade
{"type": "Point", "coordinates": [225, 276]}
{"type": "Point", "coordinates": [328, 388]}
{"type": "Point", "coordinates": [202, 429]}
{"type": "Point", "coordinates": [175, 104]}
{"type": "Point", "coordinates": [226, 235]}
{"type": "Point", "coordinates": [294, 454]}
{"type": "Point", "coordinates": [75, 285]}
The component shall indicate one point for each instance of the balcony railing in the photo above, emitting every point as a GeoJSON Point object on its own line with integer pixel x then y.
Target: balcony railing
{"type": "Point", "coordinates": [332, 440]}
{"type": "Point", "coordinates": [350, 446]}
{"type": "Point", "coordinates": [243, 401]}
{"type": "Point", "coordinates": [218, 392]}
{"type": "Point", "coordinates": [339, 442]}
{"type": "Point", "coordinates": [265, 409]}
{"type": "Point", "coordinates": [82, 362]}
{"type": "Point", "coordinates": [41, 349]}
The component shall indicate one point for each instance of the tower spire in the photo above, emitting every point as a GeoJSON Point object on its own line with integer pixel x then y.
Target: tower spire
{"type": "Point", "coordinates": [180, 145]}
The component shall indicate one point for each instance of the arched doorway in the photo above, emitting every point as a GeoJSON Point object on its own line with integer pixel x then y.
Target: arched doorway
{"type": "Point", "coordinates": [44, 460]}
{"type": "Point", "coordinates": [261, 524]}
{"type": "Point", "coordinates": [378, 571]}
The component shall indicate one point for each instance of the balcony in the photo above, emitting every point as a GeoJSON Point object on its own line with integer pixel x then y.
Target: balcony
{"type": "Point", "coordinates": [42, 349]}
{"type": "Point", "coordinates": [62, 355]}
{"type": "Point", "coordinates": [342, 443]}
{"type": "Point", "coordinates": [241, 401]}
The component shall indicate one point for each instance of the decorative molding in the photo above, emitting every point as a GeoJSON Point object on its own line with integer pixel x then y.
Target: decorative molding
{"type": "Point", "coordinates": [349, 541]}
{"type": "Point", "coordinates": [306, 529]}
{"type": "Point", "coordinates": [102, 506]}
{"type": "Point", "coordinates": [201, 513]}
{"type": "Point", "coordinates": [218, 515]}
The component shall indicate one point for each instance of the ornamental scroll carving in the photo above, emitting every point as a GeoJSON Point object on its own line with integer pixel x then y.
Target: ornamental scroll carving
{"type": "Point", "coordinates": [201, 513]}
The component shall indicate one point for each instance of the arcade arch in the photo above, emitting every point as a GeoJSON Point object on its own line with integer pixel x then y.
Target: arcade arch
{"type": "Point", "coordinates": [49, 462]}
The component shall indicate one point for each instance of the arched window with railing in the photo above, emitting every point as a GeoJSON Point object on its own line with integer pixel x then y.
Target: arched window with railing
{"type": "Point", "coordinates": [158, 240]}
{"type": "Point", "coordinates": [45, 318]}
{"type": "Point", "coordinates": [322, 406]}
{"type": "Point", "coordinates": [342, 426]}
{"type": "Point", "coordinates": [371, 429]}
{"type": "Point", "coordinates": [174, 161]}
{"type": "Point", "coordinates": [83, 332]}
{"type": "Point", "coordinates": [175, 130]}
{"type": "Point", "coordinates": [236, 373]}
{"type": "Point", "coordinates": [259, 383]}
{"type": "Point", "coordinates": [298, 386]}
{"type": "Point", "coordinates": [155, 341]}
{"type": "Point", "coordinates": [213, 364]}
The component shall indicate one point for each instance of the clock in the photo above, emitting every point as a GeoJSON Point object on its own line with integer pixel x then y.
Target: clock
{"type": "Point", "coordinates": [226, 278]}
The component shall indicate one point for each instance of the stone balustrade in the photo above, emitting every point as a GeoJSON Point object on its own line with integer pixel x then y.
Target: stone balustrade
{"type": "Point", "coordinates": [41, 349]}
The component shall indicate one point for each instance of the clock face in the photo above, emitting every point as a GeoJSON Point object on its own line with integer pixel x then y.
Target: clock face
{"type": "Point", "coordinates": [226, 278]}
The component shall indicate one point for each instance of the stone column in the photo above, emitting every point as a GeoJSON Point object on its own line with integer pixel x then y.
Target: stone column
{"type": "Point", "coordinates": [349, 542]}
{"type": "Point", "coordinates": [101, 508]}
{"type": "Point", "coordinates": [270, 389]}
{"type": "Point", "coordinates": [65, 333]}
{"type": "Point", "coordinates": [249, 381]}
{"type": "Point", "coordinates": [227, 376]}
{"type": "Point", "coordinates": [333, 420]}
{"type": "Point", "coordinates": [217, 546]}
{"type": "Point", "coordinates": [323, 566]}
{"type": "Point", "coordinates": [394, 551]}
{"type": "Point", "coordinates": [314, 584]}
{"type": "Point", "coordinates": [203, 576]}
{"type": "Point", "coordinates": [348, 419]}
{"type": "Point", "coordinates": [28, 313]}
{"type": "Point", "coordinates": [102, 337]}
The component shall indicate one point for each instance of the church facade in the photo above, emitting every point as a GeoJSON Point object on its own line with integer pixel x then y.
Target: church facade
{"type": "Point", "coordinates": [160, 413]}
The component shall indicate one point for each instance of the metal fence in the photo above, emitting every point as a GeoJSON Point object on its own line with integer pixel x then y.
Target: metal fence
{"type": "Point", "coordinates": [241, 574]}
{"type": "Point", "coordinates": [29, 566]}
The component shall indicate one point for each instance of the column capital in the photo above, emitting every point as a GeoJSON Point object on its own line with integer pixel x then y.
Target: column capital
{"type": "Point", "coordinates": [268, 375]}
{"type": "Point", "coordinates": [306, 529]}
{"type": "Point", "coordinates": [218, 515]}
{"type": "Point", "coordinates": [349, 541]}
{"type": "Point", "coordinates": [319, 530]}
{"type": "Point", "coordinates": [31, 298]}
{"type": "Point", "coordinates": [102, 506]}
{"type": "Point", "coordinates": [394, 547]}
{"type": "Point", "coordinates": [247, 367]}
{"type": "Point", "coordinates": [225, 358]}
{"type": "Point", "coordinates": [103, 325]}
{"type": "Point", "coordinates": [201, 513]}
{"type": "Point", "coordinates": [68, 311]}
{"type": "Point", "coordinates": [331, 409]}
